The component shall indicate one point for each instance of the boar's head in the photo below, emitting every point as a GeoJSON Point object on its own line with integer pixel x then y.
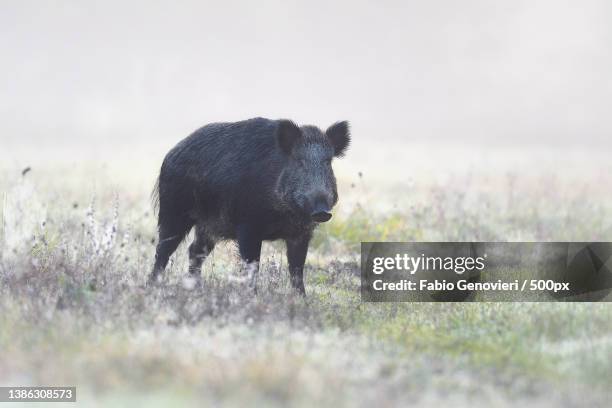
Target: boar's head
{"type": "Point", "coordinates": [307, 183]}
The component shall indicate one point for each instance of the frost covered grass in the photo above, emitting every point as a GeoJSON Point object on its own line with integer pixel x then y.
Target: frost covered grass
{"type": "Point", "coordinates": [76, 246]}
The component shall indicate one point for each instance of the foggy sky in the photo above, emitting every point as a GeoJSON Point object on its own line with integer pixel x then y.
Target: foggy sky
{"type": "Point", "coordinates": [470, 72]}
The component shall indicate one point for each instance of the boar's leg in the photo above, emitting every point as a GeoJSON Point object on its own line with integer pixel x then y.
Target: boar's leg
{"type": "Point", "coordinates": [170, 236]}
{"type": "Point", "coordinates": [296, 256]}
{"type": "Point", "coordinates": [199, 249]}
{"type": "Point", "coordinates": [249, 245]}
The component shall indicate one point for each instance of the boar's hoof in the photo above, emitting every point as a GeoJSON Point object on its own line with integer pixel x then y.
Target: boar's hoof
{"type": "Point", "coordinates": [154, 280]}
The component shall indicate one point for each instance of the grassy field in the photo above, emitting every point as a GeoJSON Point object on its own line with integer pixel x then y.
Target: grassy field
{"type": "Point", "coordinates": [77, 241]}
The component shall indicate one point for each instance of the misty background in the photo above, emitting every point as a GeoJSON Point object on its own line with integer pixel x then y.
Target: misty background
{"type": "Point", "coordinates": [516, 74]}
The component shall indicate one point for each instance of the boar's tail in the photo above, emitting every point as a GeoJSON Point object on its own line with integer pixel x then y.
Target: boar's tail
{"type": "Point", "coordinates": [155, 196]}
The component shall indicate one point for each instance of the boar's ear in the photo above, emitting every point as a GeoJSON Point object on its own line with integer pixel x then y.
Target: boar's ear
{"type": "Point", "coordinates": [288, 133]}
{"type": "Point", "coordinates": [340, 137]}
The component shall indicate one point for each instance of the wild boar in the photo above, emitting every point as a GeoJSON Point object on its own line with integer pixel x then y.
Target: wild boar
{"type": "Point", "coordinates": [248, 181]}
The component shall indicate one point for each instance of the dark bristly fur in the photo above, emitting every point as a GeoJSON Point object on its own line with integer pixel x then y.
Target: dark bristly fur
{"type": "Point", "coordinates": [248, 181]}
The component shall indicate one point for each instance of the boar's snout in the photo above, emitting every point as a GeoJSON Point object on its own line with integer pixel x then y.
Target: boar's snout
{"type": "Point", "coordinates": [321, 211]}
{"type": "Point", "coordinates": [321, 216]}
